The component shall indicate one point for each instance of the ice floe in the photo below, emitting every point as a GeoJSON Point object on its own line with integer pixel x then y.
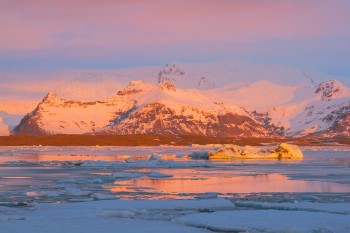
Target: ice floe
{"type": "Point", "coordinates": [335, 208]}
{"type": "Point", "coordinates": [283, 151]}
{"type": "Point", "coordinates": [268, 221]}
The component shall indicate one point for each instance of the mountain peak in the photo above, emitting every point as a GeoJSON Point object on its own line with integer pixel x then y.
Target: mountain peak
{"type": "Point", "coordinates": [330, 89]}
{"type": "Point", "coordinates": [50, 96]}
{"type": "Point", "coordinates": [133, 87]}
{"type": "Point", "coordinates": [184, 76]}
{"type": "Point", "coordinates": [169, 73]}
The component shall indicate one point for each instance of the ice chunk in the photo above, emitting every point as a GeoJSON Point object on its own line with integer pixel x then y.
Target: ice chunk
{"type": "Point", "coordinates": [208, 195]}
{"type": "Point", "coordinates": [268, 221]}
{"type": "Point", "coordinates": [126, 175]}
{"type": "Point", "coordinates": [118, 214]}
{"type": "Point", "coordinates": [289, 151]}
{"type": "Point", "coordinates": [101, 196]}
{"type": "Point", "coordinates": [155, 156]}
{"type": "Point", "coordinates": [199, 155]}
{"type": "Point", "coordinates": [76, 191]}
{"type": "Point", "coordinates": [283, 151]}
{"type": "Point", "coordinates": [158, 175]}
{"type": "Point", "coordinates": [10, 218]}
{"type": "Point", "coordinates": [42, 194]}
{"type": "Point", "coordinates": [335, 208]}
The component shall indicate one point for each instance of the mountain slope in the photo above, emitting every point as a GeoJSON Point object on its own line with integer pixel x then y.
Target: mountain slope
{"type": "Point", "coordinates": [58, 116]}
{"type": "Point", "coordinates": [262, 94]}
{"type": "Point", "coordinates": [329, 104]}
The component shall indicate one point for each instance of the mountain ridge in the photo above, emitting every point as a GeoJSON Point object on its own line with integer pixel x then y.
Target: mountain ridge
{"type": "Point", "coordinates": [145, 108]}
{"type": "Point", "coordinates": [285, 101]}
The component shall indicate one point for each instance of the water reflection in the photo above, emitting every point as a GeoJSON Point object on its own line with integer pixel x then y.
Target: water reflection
{"type": "Point", "coordinates": [63, 157]}
{"type": "Point", "coordinates": [37, 172]}
{"type": "Point", "coordinates": [188, 181]}
{"type": "Point", "coordinates": [82, 157]}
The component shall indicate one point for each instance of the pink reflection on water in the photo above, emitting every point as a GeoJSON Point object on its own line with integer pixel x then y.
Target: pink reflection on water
{"type": "Point", "coordinates": [188, 181]}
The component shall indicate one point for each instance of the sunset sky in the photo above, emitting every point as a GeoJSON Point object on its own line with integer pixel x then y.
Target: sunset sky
{"type": "Point", "coordinates": [93, 34]}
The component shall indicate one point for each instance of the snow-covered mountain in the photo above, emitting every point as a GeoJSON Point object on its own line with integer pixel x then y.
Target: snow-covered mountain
{"type": "Point", "coordinates": [20, 93]}
{"type": "Point", "coordinates": [216, 99]}
{"type": "Point", "coordinates": [143, 108]}
{"type": "Point", "coordinates": [318, 114]}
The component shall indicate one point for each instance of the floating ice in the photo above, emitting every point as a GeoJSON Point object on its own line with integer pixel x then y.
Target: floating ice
{"type": "Point", "coordinates": [158, 175]}
{"type": "Point", "coordinates": [118, 214]}
{"type": "Point", "coordinates": [101, 196]}
{"type": "Point", "coordinates": [155, 156]}
{"type": "Point", "coordinates": [284, 151]}
{"type": "Point", "coordinates": [126, 175]}
{"type": "Point", "coordinates": [208, 195]}
{"type": "Point", "coordinates": [268, 221]}
{"type": "Point", "coordinates": [199, 155]}
{"type": "Point", "coordinates": [11, 218]}
{"type": "Point", "coordinates": [42, 194]}
{"type": "Point", "coordinates": [335, 208]}
{"type": "Point", "coordinates": [76, 191]}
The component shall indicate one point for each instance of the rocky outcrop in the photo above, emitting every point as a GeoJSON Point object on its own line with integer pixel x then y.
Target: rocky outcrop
{"type": "Point", "coordinates": [157, 118]}
{"type": "Point", "coordinates": [329, 90]}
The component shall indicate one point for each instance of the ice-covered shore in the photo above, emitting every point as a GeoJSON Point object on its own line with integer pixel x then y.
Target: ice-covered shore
{"type": "Point", "coordinates": [213, 215]}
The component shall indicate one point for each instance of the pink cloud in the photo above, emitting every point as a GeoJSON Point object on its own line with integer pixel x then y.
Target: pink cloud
{"type": "Point", "coordinates": [33, 25]}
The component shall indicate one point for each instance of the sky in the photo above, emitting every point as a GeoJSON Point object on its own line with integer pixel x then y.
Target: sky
{"type": "Point", "coordinates": [43, 35]}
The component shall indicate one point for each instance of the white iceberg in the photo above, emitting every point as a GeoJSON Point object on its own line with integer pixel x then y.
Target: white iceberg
{"type": "Point", "coordinates": [283, 151]}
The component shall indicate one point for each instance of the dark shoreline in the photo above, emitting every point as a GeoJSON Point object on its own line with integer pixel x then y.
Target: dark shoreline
{"type": "Point", "coordinates": [155, 140]}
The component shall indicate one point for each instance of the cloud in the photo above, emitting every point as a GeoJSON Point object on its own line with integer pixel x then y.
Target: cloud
{"type": "Point", "coordinates": [3, 129]}
{"type": "Point", "coordinates": [39, 24]}
{"type": "Point", "coordinates": [107, 33]}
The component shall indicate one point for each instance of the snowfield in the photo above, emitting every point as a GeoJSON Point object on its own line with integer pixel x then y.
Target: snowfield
{"type": "Point", "coordinates": [157, 189]}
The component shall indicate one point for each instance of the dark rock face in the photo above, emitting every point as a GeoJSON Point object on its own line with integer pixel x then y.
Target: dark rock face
{"type": "Point", "coordinates": [157, 118]}
{"type": "Point", "coordinates": [328, 90]}
{"type": "Point", "coordinates": [170, 69]}
{"type": "Point", "coordinates": [340, 128]}
{"type": "Point", "coordinates": [167, 86]}
{"type": "Point", "coordinates": [341, 123]}
{"type": "Point", "coordinates": [29, 126]}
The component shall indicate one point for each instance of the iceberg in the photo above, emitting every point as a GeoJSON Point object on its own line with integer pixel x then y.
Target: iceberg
{"type": "Point", "coordinates": [283, 151]}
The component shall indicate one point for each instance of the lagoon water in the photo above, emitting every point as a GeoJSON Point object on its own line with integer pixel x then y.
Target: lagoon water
{"type": "Point", "coordinates": [75, 174]}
